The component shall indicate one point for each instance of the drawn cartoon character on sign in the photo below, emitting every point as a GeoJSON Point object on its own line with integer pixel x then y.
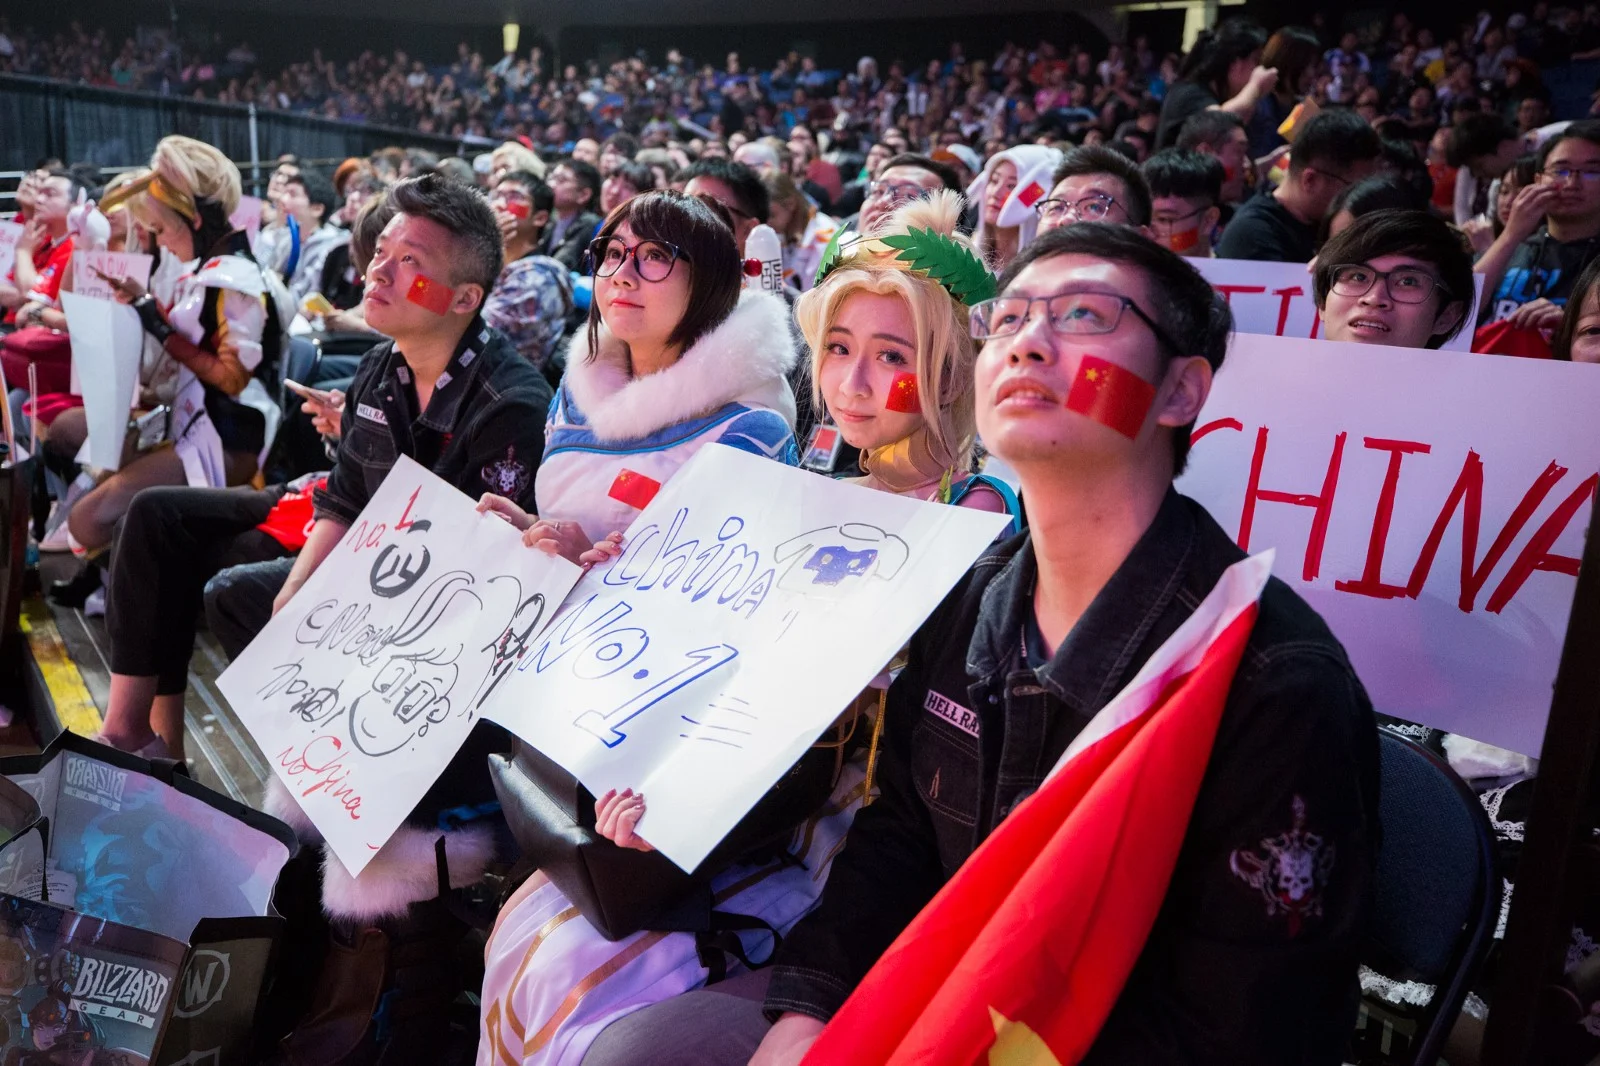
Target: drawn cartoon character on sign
{"type": "Point", "coordinates": [828, 558]}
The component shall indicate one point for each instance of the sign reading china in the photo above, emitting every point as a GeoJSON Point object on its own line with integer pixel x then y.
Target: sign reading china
{"type": "Point", "coordinates": [1277, 298]}
{"type": "Point", "coordinates": [1431, 506]}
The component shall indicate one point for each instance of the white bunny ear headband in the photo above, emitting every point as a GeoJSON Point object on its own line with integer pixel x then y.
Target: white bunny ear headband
{"type": "Point", "coordinates": [90, 228]}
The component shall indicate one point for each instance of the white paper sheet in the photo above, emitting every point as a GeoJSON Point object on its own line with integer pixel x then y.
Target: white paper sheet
{"type": "Point", "coordinates": [107, 342]}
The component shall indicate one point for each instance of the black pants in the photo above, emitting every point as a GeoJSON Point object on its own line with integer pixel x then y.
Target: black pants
{"type": "Point", "coordinates": [239, 601]}
{"type": "Point", "coordinates": [169, 544]}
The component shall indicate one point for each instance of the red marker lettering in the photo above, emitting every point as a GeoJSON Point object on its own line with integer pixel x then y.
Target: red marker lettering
{"type": "Point", "coordinates": [1371, 581]}
{"type": "Point", "coordinates": [1536, 556]}
{"type": "Point", "coordinates": [1321, 503]}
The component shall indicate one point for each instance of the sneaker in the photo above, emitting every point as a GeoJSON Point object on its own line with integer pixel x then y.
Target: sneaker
{"type": "Point", "coordinates": [95, 605]}
{"type": "Point", "coordinates": [156, 749]}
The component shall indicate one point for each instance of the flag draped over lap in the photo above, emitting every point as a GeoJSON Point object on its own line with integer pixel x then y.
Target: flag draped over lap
{"type": "Point", "coordinates": [1020, 957]}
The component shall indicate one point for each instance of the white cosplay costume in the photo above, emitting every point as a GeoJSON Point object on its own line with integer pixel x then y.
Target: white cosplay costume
{"type": "Point", "coordinates": [730, 386]}
{"type": "Point", "coordinates": [236, 289]}
{"type": "Point", "coordinates": [800, 261]}
{"type": "Point", "coordinates": [1035, 164]}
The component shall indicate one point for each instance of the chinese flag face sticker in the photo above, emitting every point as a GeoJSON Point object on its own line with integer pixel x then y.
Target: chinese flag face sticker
{"type": "Point", "coordinates": [634, 489]}
{"type": "Point", "coordinates": [1031, 194]}
{"type": "Point", "coordinates": [903, 396]}
{"type": "Point", "coordinates": [1111, 395]}
{"type": "Point", "coordinates": [518, 209]}
{"type": "Point", "coordinates": [434, 295]}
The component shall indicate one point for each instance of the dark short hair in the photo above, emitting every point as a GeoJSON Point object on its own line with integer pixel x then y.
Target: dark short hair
{"type": "Point", "coordinates": [319, 191]}
{"type": "Point", "coordinates": [1188, 308]}
{"type": "Point", "coordinates": [743, 182]}
{"type": "Point", "coordinates": [1561, 343]}
{"type": "Point", "coordinates": [1476, 136]}
{"type": "Point", "coordinates": [1381, 192]}
{"type": "Point", "coordinates": [530, 183]}
{"type": "Point", "coordinates": [1417, 234]}
{"type": "Point", "coordinates": [588, 176]}
{"type": "Point", "coordinates": [1216, 50]}
{"type": "Point", "coordinates": [465, 214]}
{"type": "Point", "coordinates": [74, 182]}
{"type": "Point", "coordinates": [943, 171]}
{"type": "Point", "coordinates": [1210, 128]}
{"type": "Point", "coordinates": [1586, 130]}
{"type": "Point", "coordinates": [705, 243]}
{"type": "Point", "coordinates": [624, 142]}
{"type": "Point", "coordinates": [639, 175]}
{"type": "Point", "coordinates": [374, 215]}
{"type": "Point", "coordinates": [1098, 159]}
{"type": "Point", "coordinates": [1335, 137]}
{"type": "Point", "coordinates": [1190, 175]}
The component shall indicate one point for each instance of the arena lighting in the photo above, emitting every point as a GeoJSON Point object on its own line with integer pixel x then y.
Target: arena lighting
{"type": "Point", "coordinates": [510, 33]}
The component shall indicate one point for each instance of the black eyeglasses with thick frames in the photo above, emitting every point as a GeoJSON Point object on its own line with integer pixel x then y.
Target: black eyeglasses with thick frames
{"type": "Point", "coordinates": [1070, 314]}
{"type": "Point", "coordinates": [1089, 209]}
{"type": "Point", "coordinates": [653, 260]}
{"type": "Point", "coordinates": [1406, 285]}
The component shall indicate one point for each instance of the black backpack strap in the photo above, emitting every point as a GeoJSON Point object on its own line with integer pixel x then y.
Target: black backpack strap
{"type": "Point", "coordinates": [722, 939]}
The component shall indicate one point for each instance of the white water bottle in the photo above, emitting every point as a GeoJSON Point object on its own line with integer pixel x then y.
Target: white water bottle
{"type": "Point", "coordinates": [763, 260]}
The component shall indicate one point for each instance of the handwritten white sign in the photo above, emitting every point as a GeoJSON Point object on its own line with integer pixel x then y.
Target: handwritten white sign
{"type": "Point", "coordinates": [85, 282]}
{"type": "Point", "coordinates": [1430, 505]}
{"type": "Point", "coordinates": [751, 603]}
{"type": "Point", "coordinates": [1277, 299]}
{"type": "Point", "coordinates": [363, 688]}
{"type": "Point", "coordinates": [10, 233]}
{"type": "Point", "coordinates": [107, 343]}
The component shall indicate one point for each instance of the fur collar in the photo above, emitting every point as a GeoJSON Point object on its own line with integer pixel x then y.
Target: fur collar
{"type": "Point", "coordinates": [746, 359]}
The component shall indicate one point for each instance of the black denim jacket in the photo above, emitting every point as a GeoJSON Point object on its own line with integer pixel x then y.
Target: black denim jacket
{"type": "Point", "coordinates": [483, 430]}
{"type": "Point", "coordinates": [1228, 975]}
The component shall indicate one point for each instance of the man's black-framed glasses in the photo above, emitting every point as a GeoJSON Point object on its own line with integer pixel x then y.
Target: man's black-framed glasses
{"type": "Point", "coordinates": [1072, 314]}
{"type": "Point", "coordinates": [653, 260]}
{"type": "Point", "coordinates": [1093, 208]}
{"type": "Point", "coordinates": [1406, 285]}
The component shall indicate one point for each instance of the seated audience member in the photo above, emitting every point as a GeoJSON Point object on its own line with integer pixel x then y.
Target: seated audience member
{"type": "Point", "coordinates": [43, 255]}
{"type": "Point", "coordinates": [576, 187]}
{"type": "Point", "coordinates": [1578, 336]}
{"type": "Point", "coordinates": [619, 148]}
{"type": "Point", "coordinates": [904, 177]}
{"type": "Point", "coordinates": [1095, 184]}
{"type": "Point", "coordinates": [1221, 72]}
{"type": "Point", "coordinates": [587, 150]}
{"type": "Point", "coordinates": [454, 395]}
{"type": "Point", "coordinates": [532, 297]}
{"type": "Point", "coordinates": [1220, 134]}
{"type": "Point", "coordinates": [1552, 233]}
{"type": "Point", "coordinates": [1481, 147]}
{"type": "Point", "coordinates": [805, 230]}
{"type": "Point", "coordinates": [1331, 151]}
{"type": "Point", "coordinates": [1039, 636]}
{"type": "Point", "coordinates": [514, 156]}
{"type": "Point", "coordinates": [1381, 192]}
{"type": "Point", "coordinates": [737, 188]}
{"type": "Point", "coordinates": [1400, 278]}
{"type": "Point", "coordinates": [1185, 200]}
{"type": "Point", "coordinates": [223, 325]}
{"type": "Point", "coordinates": [11, 296]}
{"type": "Point", "coordinates": [309, 200]}
{"type": "Point", "coordinates": [340, 284]}
{"type": "Point", "coordinates": [1011, 184]}
{"type": "Point", "coordinates": [623, 183]}
{"type": "Point", "coordinates": [759, 157]}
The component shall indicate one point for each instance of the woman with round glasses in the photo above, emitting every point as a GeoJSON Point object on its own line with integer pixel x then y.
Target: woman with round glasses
{"type": "Point", "coordinates": [1398, 278]}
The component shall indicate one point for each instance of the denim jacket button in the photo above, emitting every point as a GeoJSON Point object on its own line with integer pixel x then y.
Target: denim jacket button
{"type": "Point", "coordinates": [993, 698]}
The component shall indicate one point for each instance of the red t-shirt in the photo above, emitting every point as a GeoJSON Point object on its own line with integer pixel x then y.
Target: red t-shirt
{"type": "Point", "coordinates": [52, 268]}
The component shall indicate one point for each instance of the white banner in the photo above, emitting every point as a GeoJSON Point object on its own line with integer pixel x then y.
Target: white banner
{"type": "Point", "coordinates": [1431, 506]}
{"type": "Point", "coordinates": [751, 604]}
{"type": "Point", "coordinates": [364, 687]}
{"type": "Point", "coordinates": [10, 233]}
{"type": "Point", "coordinates": [1277, 298]}
{"type": "Point", "coordinates": [85, 282]}
{"type": "Point", "coordinates": [107, 342]}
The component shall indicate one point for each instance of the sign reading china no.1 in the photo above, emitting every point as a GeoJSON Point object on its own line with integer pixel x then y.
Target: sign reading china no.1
{"type": "Point", "coordinates": [366, 684]}
{"type": "Point", "coordinates": [751, 603]}
{"type": "Point", "coordinates": [1277, 298]}
{"type": "Point", "coordinates": [1431, 506]}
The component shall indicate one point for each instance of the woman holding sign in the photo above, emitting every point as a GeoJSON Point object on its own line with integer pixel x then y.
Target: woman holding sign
{"type": "Point", "coordinates": [1397, 278]}
{"type": "Point", "coordinates": [223, 322]}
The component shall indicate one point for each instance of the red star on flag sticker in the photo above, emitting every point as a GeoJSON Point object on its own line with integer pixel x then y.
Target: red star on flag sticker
{"type": "Point", "coordinates": [433, 295]}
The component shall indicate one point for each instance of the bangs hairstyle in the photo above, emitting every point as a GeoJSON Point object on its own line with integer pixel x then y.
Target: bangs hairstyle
{"type": "Point", "coordinates": [706, 248]}
{"type": "Point", "coordinates": [1416, 234]}
{"type": "Point", "coordinates": [1185, 304]}
{"type": "Point", "coordinates": [945, 349]}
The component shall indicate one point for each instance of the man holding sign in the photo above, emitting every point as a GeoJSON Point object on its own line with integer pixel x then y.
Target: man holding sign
{"type": "Point", "coordinates": [1098, 356]}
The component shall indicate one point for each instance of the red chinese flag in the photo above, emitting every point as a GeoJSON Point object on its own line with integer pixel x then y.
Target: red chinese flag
{"type": "Point", "coordinates": [1029, 194]}
{"type": "Point", "coordinates": [903, 396]}
{"type": "Point", "coordinates": [434, 295]}
{"type": "Point", "coordinates": [1111, 395]}
{"type": "Point", "coordinates": [1021, 956]}
{"type": "Point", "coordinates": [518, 209]}
{"type": "Point", "coordinates": [634, 489]}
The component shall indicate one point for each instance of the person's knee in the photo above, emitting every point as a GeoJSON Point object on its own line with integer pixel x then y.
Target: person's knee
{"type": "Point", "coordinates": [238, 601]}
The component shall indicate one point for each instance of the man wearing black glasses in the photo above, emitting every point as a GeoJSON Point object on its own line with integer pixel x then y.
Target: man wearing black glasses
{"type": "Point", "coordinates": [1095, 184]}
{"type": "Point", "coordinates": [737, 188]}
{"type": "Point", "coordinates": [904, 178]}
{"type": "Point", "coordinates": [1098, 356]}
{"type": "Point", "coordinates": [1335, 149]}
{"type": "Point", "coordinates": [1552, 234]}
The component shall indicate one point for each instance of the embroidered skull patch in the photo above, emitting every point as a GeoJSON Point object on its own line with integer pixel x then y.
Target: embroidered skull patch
{"type": "Point", "coordinates": [1290, 870]}
{"type": "Point", "coordinates": [507, 477]}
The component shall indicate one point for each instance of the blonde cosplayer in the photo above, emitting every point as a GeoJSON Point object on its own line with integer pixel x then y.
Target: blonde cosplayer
{"type": "Point", "coordinates": [921, 258]}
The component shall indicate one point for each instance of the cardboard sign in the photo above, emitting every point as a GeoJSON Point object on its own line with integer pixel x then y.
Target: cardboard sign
{"type": "Point", "coordinates": [107, 345]}
{"type": "Point", "coordinates": [1277, 299]}
{"type": "Point", "coordinates": [247, 216]}
{"type": "Point", "coordinates": [1431, 506]}
{"type": "Point", "coordinates": [10, 233]}
{"type": "Point", "coordinates": [364, 687]}
{"type": "Point", "coordinates": [85, 282]}
{"type": "Point", "coordinates": [752, 602]}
